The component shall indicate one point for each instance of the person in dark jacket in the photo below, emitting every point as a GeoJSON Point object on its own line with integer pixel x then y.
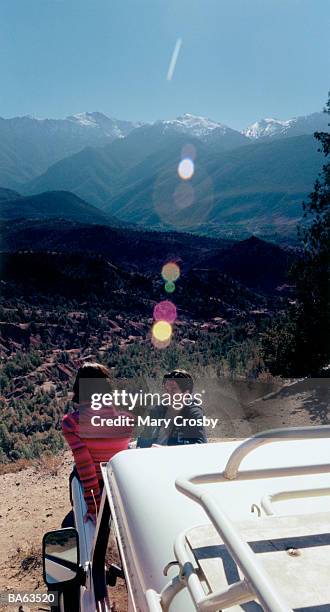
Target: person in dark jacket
{"type": "Point", "coordinates": [175, 383]}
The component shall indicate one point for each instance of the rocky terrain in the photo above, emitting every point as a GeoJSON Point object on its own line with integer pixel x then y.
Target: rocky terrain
{"type": "Point", "coordinates": [62, 305]}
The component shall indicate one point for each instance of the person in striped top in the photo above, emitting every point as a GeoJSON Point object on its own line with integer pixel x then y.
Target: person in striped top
{"type": "Point", "coordinates": [89, 451]}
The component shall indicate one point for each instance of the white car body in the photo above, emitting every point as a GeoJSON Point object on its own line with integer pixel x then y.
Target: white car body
{"type": "Point", "coordinates": [149, 513]}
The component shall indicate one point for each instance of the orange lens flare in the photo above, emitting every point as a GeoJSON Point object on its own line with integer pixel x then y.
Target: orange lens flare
{"type": "Point", "coordinates": [170, 272]}
{"type": "Point", "coordinates": [160, 345]}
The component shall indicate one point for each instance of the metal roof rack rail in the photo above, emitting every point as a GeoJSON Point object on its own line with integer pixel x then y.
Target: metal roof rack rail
{"type": "Point", "coordinates": [256, 583]}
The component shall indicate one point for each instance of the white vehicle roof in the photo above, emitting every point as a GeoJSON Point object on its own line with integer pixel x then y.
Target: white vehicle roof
{"type": "Point", "coordinates": [150, 512]}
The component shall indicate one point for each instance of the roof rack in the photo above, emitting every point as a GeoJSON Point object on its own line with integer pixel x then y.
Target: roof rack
{"type": "Point", "coordinates": [255, 583]}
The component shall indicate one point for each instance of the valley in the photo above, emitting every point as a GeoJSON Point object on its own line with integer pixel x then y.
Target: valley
{"type": "Point", "coordinates": [62, 307]}
{"type": "Point", "coordinates": [83, 245]}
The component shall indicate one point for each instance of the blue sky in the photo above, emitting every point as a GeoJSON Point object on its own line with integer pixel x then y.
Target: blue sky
{"type": "Point", "coordinates": [240, 60]}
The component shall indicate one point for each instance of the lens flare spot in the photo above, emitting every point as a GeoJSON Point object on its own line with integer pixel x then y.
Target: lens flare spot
{"type": "Point", "coordinates": [184, 195]}
{"type": "Point", "coordinates": [160, 345]}
{"type": "Point", "coordinates": [170, 272]}
{"type": "Point", "coordinates": [169, 287]}
{"type": "Point", "coordinates": [186, 169]}
{"type": "Point", "coordinates": [189, 150]}
{"type": "Point", "coordinates": [165, 311]}
{"type": "Point", "coordinates": [162, 331]}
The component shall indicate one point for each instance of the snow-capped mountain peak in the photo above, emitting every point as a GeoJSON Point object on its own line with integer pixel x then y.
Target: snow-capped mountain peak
{"type": "Point", "coordinates": [281, 128]}
{"type": "Point", "coordinates": [85, 119]}
{"type": "Point", "coordinates": [107, 126]}
{"type": "Point", "coordinates": [199, 127]}
{"type": "Point", "coordinates": [267, 127]}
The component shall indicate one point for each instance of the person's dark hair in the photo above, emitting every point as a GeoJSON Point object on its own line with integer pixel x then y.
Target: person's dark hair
{"type": "Point", "coordinates": [96, 379]}
{"type": "Point", "coordinates": [182, 378]}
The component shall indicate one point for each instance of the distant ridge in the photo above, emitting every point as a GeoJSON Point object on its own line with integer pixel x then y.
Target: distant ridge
{"type": "Point", "coordinates": [48, 205]}
{"type": "Point", "coordinates": [253, 262]}
{"type": "Point", "coordinates": [7, 195]}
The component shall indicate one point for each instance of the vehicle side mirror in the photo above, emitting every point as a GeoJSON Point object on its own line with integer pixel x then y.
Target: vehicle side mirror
{"type": "Point", "coordinates": [60, 554]}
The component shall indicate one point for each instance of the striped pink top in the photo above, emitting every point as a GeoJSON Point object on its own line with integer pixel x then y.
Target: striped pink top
{"type": "Point", "coordinates": [88, 453]}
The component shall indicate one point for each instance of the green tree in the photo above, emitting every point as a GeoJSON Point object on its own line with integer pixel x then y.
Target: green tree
{"type": "Point", "coordinates": [5, 441]}
{"type": "Point", "coordinates": [298, 343]}
{"type": "Point", "coordinates": [312, 272]}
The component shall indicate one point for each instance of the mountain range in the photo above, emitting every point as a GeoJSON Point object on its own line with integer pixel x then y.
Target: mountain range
{"type": "Point", "coordinates": [28, 146]}
{"type": "Point", "coordinates": [256, 188]}
{"type": "Point", "coordinates": [244, 182]}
